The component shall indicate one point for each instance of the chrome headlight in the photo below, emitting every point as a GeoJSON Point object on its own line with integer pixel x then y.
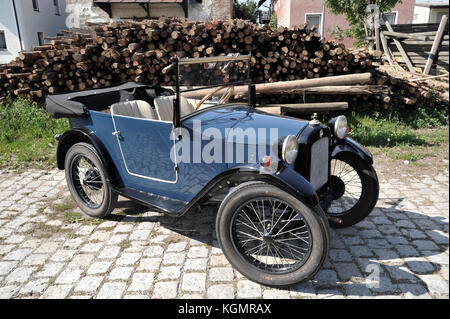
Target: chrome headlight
{"type": "Point", "coordinates": [290, 149]}
{"type": "Point", "coordinates": [340, 126]}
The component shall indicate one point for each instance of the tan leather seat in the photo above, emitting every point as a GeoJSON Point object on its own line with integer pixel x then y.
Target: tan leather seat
{"type": "Point", "coordinates": [138, 108]}
{"type": "Point", "coordinates": [164, 107]}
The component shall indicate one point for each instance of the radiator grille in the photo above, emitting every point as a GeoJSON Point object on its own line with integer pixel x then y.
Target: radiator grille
{"type": "Point", "coordinates": [319, 163]}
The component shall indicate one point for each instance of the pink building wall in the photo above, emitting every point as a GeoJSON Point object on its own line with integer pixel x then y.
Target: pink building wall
{"type": "Point", "coordinates": [293, 12]}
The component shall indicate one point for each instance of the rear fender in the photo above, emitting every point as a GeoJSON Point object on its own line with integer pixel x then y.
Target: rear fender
{"type": "Point", "coordinates": [80, 135]}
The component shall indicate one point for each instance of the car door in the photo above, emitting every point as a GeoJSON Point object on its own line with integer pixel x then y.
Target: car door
{"type": "Point", "coordinates": [146, 146]}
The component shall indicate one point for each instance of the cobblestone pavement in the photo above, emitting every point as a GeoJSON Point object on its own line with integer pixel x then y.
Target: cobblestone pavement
{"type": "Point", "coordinates": [47, 251]}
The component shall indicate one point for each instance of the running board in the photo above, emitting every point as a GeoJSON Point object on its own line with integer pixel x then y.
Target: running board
{"type": "Point", "coordinates": [159, 203]}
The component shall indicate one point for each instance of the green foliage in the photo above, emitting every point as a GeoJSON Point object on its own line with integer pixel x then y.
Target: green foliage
{"type": "Point", "coordinates": [26, 133]}
{"type": "Point", "coordinates": [247, 10]}
{"type": "Point", "coordinates": [395, 126]}
{"type": "Point", "coordinates": [355, 13]}
{"type": "Point", "coordinates": [273, 21]}
{"type": "Point", "coordinates": [370, 131]}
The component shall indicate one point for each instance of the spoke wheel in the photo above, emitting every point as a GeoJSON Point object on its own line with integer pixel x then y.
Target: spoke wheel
{"type": "Point", "coordinates": [271, 235]}
{"type": "Point", "coordinates": [88, 181]}
{"type": "Point", "coordinates": [354, 186]}
{"type": "Point", "coordinates": [346, 186]}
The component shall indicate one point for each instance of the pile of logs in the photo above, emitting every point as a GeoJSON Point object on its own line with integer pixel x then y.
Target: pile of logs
{"type": "Point", "coordinates": [145, 51]}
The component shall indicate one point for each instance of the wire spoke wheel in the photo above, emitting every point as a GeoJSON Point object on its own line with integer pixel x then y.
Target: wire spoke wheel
{"type": "Point", "coordinates": [88, 182]}
{"type": "Point", "coordinates": [271, 235]}
{"type": "Point", "coordinates": [346, 185]}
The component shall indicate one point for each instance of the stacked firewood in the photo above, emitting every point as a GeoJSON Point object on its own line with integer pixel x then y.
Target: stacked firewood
{"type": "Point", "coordinates": [145, 51]}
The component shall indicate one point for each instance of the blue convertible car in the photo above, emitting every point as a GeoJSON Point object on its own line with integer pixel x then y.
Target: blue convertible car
{"type": "Point", "coordinates": [278, 182]}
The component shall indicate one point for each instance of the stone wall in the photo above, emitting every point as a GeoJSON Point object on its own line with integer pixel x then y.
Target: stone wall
{"type": "Point", "coordinates": [81, 11]}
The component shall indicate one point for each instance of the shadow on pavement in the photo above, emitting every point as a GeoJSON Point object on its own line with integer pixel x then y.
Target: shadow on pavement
{"type": "Point", "coordinates": [364, 261]}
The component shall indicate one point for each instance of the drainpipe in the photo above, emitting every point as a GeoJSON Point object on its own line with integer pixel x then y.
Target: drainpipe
{"type": "Point", "coordinates": [322, 34]}
{"type": "Point", "coordinates": [17, 24]}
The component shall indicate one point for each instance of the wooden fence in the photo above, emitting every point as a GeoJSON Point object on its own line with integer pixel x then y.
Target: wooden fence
{"type": "Point", "coordinates": [411, 44]}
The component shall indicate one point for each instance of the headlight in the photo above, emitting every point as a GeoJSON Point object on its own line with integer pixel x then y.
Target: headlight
{"type": "Point", "coordinates": [290, 149]}
{"type": "Point", "coordinates": [339, 125]}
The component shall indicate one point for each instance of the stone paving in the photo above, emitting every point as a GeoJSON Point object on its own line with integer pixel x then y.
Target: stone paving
{"type": "Point", "coordinates": [47, 251]}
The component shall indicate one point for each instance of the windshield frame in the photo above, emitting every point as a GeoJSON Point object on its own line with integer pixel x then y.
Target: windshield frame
{"type": "Point", "coordinates": [186, 61]}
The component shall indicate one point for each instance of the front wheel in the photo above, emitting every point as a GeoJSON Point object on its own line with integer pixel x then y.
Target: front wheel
{"type": "Point", "coordinates": [87, 181]}
{"type": "Point", "coordinates": [354, 185]}
{"type": "Point", "coordinates": [270, 236]}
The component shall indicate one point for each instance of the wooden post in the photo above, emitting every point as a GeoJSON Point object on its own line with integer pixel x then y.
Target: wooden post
{"type": "Point", "coordinates": [435, 47]}
{"type": "Point", "coordinates": [400, 49]}
{"type": "Point", "coordinates": [377, 31]}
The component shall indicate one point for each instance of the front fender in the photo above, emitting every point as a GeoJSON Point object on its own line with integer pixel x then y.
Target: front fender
{"type": "Point", "coordinates": [350, 145]}
{"type": "Point", "coordinates": [286, 178]}
{"type": "Point", "coordinates": [80, 135]}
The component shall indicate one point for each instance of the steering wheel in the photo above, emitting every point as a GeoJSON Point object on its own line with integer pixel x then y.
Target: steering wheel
{"type": "Point", "coordinates": [225, 97]}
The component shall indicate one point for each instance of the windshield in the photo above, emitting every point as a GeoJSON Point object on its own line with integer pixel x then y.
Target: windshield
{"type": "Point", "coordinates": [222, 79]}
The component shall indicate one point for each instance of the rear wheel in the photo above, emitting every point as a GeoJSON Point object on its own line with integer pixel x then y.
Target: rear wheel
{"type": "Point", "coordinates": [355, 189]}
{"type": "Point", "coordinates": [87, 181]}
{"type": "Point", "coordinates": [270, 236]}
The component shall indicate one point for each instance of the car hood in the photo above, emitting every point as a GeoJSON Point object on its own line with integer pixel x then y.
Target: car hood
{"type": "Point", "coordinates": [244, 126]}
{"type": "Point", "coordinates": [244, 117]}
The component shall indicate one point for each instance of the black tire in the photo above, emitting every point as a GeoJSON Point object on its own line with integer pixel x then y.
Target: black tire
{"type": "Point", "coordinates": [356, 209]}
{"type": "Point", "coordinates": [317, 226]}
{"type": "Point", "coordinates": [100, 208]}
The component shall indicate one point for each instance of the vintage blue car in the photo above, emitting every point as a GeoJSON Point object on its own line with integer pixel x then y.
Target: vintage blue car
{"type": "Point", "coordinates": [278, 182]}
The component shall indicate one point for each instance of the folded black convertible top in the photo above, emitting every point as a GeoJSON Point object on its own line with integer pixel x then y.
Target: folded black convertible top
{"type": "Point", "coordinates": [77, 104]}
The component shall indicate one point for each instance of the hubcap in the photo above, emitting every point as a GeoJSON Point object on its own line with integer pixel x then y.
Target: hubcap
{"type": "Point", "coordinates": [88, 181]}
{"type": "Point", "coordinates": [271, 235]}
{"type": "Point", "coordinates": [337, 187]}
{"type": "Point", "coordinates": [346, 187]}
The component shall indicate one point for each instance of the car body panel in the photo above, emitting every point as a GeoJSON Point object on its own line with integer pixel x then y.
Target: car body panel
{"type": "Point", "coordinates": [157, 182]}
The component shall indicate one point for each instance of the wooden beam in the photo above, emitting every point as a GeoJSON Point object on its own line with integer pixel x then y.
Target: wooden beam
{"type": "Point", "coordinates": [401, 50]}
{"type": "Point", "coordinates": [283, 86]}
{"type": "Point", "coordinates": [435, 47]}
{"type": "Point", "coordinates": [387, 53]}
{"type": "Point", "coordinates": [303, 107]}
{"type": "Point", "coordinates": [409, 35]}
{"type": "Point", "coordinates": [344, 90]}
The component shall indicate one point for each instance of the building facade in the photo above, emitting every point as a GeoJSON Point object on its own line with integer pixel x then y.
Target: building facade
{"type": "Point", "coordinates": [25, 23]}
{"type": "Point", "coordinates": [430, 11]}
{"type": "Point", "coordinates": [81, 11]}
{"type": "Point", "coordinates": [294, 12]}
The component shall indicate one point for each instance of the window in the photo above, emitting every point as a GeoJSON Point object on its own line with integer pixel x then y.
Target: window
{"type": "Point", "coordinates": [3, 41]}
{"type": "Point", "coordinates": [56, 4]}
{"type": "Point", "coordinates": [391, 17]}
{"type": "Point", "coordinates": [40, 36]}
{"type": "Point", "coordinates": [35, 5]}
{"type": "Point", "coordinates": [314, 19]}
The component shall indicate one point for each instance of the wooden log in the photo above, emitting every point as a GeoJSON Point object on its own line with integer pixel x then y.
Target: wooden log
{"type": "Point", "coordinates": [435, 46]}
{"type": "Point", "coordinates": [344, 90]}
{"type": "Point", "coordinates": [387, 53]}
{"type": "Point", "coordinates": [273, 88]}
{"type": "Point", "coordinates": [302, 108]}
